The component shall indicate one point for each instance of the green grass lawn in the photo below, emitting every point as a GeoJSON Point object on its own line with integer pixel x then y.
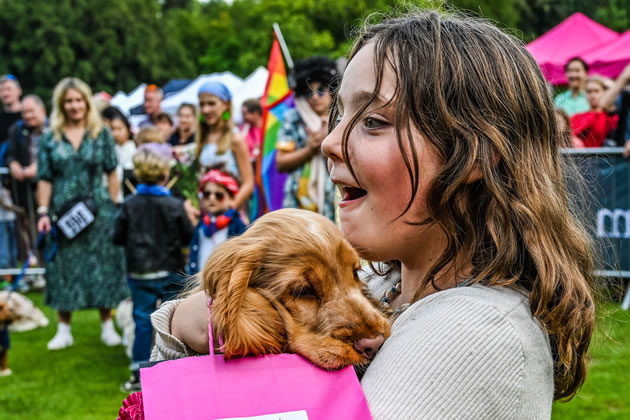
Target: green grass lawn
{"type": "Point", "coordinates": [82, 382]}
{"type": "Point", "coordinates": [606, 393]}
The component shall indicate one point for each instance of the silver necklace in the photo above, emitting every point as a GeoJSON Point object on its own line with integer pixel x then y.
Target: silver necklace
{"type": "Point", "coordinates": [391, 294]}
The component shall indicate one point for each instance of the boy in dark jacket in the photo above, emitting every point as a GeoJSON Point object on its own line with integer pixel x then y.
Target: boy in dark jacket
{"type": "Point", "coordinates": [153, 228]}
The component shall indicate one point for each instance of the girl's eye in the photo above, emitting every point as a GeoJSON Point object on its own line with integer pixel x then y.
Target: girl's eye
{"type": "Point", "coordinates": [373, 123]}
{"type": "Point", "coordinates": [338, 120]}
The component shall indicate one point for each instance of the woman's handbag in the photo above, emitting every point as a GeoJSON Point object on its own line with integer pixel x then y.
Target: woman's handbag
{"type": "Point", "coordinates": [272, 387]}
{"type": "Point", "coordinates": [75, 215]}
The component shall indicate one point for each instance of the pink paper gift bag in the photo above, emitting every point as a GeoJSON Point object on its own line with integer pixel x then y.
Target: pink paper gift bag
{"type": "Point", "coordinates": [274, 387]}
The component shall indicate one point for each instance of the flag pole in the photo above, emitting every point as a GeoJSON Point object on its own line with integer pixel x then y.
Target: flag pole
{"type": "Point", "coordinates": [283, 45]}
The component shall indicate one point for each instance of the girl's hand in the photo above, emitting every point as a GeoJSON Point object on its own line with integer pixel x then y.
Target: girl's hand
{"type": "Point", "coordinates": [43, 224]}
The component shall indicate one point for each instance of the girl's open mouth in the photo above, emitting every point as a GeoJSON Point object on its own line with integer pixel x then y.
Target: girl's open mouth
{"type": "Point", "coordinates": [350, 195]}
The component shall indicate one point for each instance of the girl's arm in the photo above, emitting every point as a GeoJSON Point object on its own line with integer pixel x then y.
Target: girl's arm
{"type": "Point", "coordinates": [246, 172]}
{"type": "Point", "coordinates": [190, 322]}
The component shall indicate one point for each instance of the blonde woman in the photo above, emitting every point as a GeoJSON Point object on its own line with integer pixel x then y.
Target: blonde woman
{"type": "Point", "coordinates": [87, 271]}
{"type": "Point", "coordinates": [217, 144]}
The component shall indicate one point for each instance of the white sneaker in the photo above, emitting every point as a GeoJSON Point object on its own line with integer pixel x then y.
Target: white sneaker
{"type": "Point", "coordinates": [39, 283]}
{"type": "Point", "coordinates": [109, 336]}
{"type": "Point", "coordinates": [61, 340]}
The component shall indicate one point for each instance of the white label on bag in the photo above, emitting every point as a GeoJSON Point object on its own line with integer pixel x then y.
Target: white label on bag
{"type": "Point", "coordinates": [293, 415]}
{"type": "Point", "coordinates": [75, 220]}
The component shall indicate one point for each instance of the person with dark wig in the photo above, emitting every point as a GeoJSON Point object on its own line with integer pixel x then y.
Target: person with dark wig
{"type": "Point", "coordinates": [299, 140]}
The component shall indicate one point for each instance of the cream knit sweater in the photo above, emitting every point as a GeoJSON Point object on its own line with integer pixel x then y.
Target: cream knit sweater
{"type": "Point", "coordinates": [465, 353]}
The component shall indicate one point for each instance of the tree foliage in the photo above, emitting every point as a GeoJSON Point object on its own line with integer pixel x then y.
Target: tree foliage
{"type": "Point", "coordinates": [117, 44]}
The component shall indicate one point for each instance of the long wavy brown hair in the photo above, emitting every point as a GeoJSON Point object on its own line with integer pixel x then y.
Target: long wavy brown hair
{"type": "Point", "coordinates": [482, 104]}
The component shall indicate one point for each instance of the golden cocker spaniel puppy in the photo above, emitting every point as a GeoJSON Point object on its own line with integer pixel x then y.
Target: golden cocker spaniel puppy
{"type": "Point", "coordinates": [290, 284]}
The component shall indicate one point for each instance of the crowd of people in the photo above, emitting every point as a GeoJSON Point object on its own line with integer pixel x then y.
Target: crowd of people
{"type": "Point", "coordinates": [87, 153]}
{"type": "Point", "coordinates": [595, 108]}
{"type": "Point", "coordinates": [455, 185]}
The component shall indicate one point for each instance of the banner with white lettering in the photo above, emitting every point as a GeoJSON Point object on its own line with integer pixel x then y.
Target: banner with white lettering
{"type": "Point", "coordinates": [607, 208]}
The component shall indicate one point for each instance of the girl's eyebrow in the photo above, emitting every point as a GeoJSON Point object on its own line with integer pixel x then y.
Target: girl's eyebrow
{"type": "Point", "coordinates": [362, 96]}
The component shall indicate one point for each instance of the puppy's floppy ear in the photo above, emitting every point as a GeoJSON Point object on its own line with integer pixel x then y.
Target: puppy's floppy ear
{"type": "Point", "coordinates": [248, 322]}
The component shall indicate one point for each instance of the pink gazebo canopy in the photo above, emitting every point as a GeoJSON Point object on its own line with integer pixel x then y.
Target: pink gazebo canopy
{"type": "Point", "coordinates": [609, 60]}
{"type": "Point", "coordinates": [575, 36]}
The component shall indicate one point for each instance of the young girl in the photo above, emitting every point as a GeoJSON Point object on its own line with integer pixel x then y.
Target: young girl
{"type": "Point", "coordinates": [153, 228]}
{"type": "Point", "coordinates": [445, 147]}
{"type": "Point", "coordinates": [125, 149]}
{"type": "Point", "coordinates": [219, 220]}
{"type": "Point", "coordinates": [217, 144]}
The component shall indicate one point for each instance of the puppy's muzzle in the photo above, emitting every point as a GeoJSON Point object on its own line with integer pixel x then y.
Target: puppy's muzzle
{"type": "Point", "coordinates": [369, 346]}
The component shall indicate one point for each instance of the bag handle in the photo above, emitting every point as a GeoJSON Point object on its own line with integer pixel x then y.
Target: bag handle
{"type": "Point", "coordinates": [211, 331]}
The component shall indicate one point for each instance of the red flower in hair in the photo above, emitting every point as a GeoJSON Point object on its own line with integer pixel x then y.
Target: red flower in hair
{"type": "Point", "coordinates": [132, 408]}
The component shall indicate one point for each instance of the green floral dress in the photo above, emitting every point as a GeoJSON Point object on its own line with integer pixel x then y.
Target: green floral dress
{"type": "Point", "coordinates": [89, 271]}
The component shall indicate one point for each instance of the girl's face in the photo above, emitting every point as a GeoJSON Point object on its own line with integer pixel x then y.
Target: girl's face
{"type": "Point", "coordinates": [186, 119]}
{"type": "Point", "coordinates": [594, 93]}
{"type": "Point", "coordinates": [119, 131]}
{"type": "Point", "coordinates": [215, 199]}
{"type": "Point", "coordinates": [369, 209]}
{"type": "Point", "coordinates": [74, 106]}
{"type": "Point", "coordinates": [211, 108]}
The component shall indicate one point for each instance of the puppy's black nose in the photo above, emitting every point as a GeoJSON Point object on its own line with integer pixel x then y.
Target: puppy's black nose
{"type": "Point", "coordinates": [369, 346]}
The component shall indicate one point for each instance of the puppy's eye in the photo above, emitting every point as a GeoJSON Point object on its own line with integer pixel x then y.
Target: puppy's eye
{"type": "Point", "coordinates": [303, 291]}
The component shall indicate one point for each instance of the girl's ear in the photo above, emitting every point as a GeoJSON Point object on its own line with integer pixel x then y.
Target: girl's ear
{"type": "Point", "coordinates": [244, 317]}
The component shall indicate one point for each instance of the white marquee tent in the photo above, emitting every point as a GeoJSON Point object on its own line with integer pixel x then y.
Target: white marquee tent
{"type": "Point", "coordinates": [252, 87]}
{"type": "Point", "coordinates": [126, 102]}
{"type": "Point", "coordinates": [189, 93]}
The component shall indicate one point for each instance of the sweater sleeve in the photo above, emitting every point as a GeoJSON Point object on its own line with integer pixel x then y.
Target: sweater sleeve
{"type": "Point", "coordinates": [449, 359]}
{"type": "Point", "coordinates": [167, 346]}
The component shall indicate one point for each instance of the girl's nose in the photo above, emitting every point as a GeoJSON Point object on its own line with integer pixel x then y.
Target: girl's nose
{"type": "Point", "coordinates": [331, 146]}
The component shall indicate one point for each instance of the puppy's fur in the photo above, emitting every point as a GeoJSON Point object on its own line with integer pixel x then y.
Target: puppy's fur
{"type": "Point", "coordinates": [290, 284]}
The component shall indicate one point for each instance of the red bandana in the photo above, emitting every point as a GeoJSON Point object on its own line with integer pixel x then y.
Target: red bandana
{"type": "Point", "coordinates": [217, 177]}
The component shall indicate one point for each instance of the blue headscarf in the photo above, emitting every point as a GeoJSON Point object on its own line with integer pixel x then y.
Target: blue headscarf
{"type": "Point", "coordinates": [217, 89]}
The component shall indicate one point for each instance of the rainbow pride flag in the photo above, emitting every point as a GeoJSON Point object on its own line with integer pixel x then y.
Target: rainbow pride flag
{"type": "Point", "coordinates": [276, 101]}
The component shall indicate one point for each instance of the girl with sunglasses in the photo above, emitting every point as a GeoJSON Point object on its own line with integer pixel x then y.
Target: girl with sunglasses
{"type": "Point", "coordinates": [219, 220]}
